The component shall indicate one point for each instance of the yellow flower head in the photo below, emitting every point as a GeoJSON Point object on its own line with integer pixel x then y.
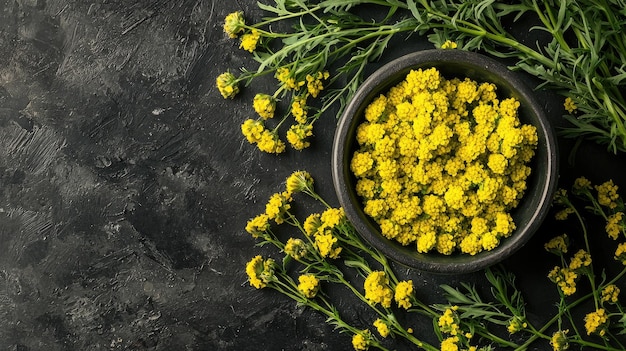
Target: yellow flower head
{"type": "Point", "coordinates": [308, 285]}
{"type": "Point", "coordinates": [570, 105]}
{"type": "Point", "coordinates": [227, 84]}
{"type": "Point", "coordinates": [332, 217]}
{"type": "Point", "coordinates": [297, 135]}
{"type": "Point", "coordinates": [620, 253]}
{"type": "Point", "coordinates": [299, 181]}
{"type": "Point", "coordinates": [277, 207]}
{"type": "Point", "coordinates": [258, 226]}
{"type": "Point", "coordinates": [563, 214]}
{"type": "Point", "coordinates": [559, 340]}
{"type": "Point", "coordinates": [299, 109]}
{"type": "Point", "coordinates": [596, 322]}
{"type": "Point", "coordinates": [377, 289]}
{"type": "Point", "coordinates": [286, 77]}
{"type": "Point", "coordinates": [327, 244]}
{"type": "Point", "coordinates": [382, 327]}
{"type": "Point", "coordinates": [607, 194]}
{"type": "Point", "coordinates": [315, 84]}
{"type": "Point", "coordinates": [450, 344]}
{"type": "Point", "coordinates": [449, 44]}
{"type": "Point", "coordinates": [312, 223]}
{"type": "Point", "coordinates": [260, 272]}
{"type": "Point", "coordinates": [580, 260]}
{"type": "Point", "coordinates": [404, 291]}
{"type": "Point", "coordinates": [361, 341]}
{"type": "Point", "coordinates": [610, 293]}
{"type": "Point", "coordinates": [252, 130]}
{"type": "Point", "coordinates": [515, 325]}
{"type": "Point", "coordinates": [234, 23]}
{"type": "Point", "coordinates": [296, 248]}
{"type": "Point", "coordinates": [250, 40]}
{"type": "Point", "coordinates": [565, 279]}
{"type": "Point", "coordinates": [264, 105]}
{"type": "Point", "coordinates": [557, 245]}
{"type": "Point", "coordinates": [270, 143]}
{"type": "Point", "coordinates": [614, 225]}
{"type": "Point", "coordinates": [449, 321]}
{"type": "Point", "coordinates": [581, 184]}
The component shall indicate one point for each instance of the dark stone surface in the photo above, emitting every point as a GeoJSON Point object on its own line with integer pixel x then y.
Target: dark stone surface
{"type": "Point", "coordinates": [125, 185]}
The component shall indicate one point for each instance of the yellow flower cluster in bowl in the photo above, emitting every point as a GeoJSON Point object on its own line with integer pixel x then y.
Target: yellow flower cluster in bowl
{"type": "Point", "coordinates": [442, 162]}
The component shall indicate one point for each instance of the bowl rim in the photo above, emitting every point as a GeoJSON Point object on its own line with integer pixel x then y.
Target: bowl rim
{"type": "Point", "coordinates": [390, 74]}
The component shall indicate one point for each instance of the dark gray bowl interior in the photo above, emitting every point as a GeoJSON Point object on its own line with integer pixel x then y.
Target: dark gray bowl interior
{"type": "Point", "coordinates": [531, 211]}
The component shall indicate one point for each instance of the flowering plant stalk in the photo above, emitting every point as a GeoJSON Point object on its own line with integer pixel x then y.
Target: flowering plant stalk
{"type": "Point", "coordinates": [583, 59]}
{"type": "Point", "coordinates": [327, 253]}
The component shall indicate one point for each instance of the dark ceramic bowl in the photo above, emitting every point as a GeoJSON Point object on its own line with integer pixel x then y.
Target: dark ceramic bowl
{"type": "Point", "coordinates": [541, 184]}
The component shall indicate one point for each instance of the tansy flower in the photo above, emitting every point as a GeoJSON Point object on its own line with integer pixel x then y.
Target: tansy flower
{"type": "Point", "coordinates": [580, 260]}
{"type": "Point", "coordinates": [610, 293]}
{"type": "Point", "coordinates": [296, 248]}
{"type": "Point", "coordinates": [559, 340]}
{"type": "Point", "coordinates": [299, 181]}
{"type": "Point", "coordinates": [250, 40]}
{"type": "Point", "coordinates": [285, 76]}
{"type": "Point", "coordinates": [607, 194]}
{"type": "Point", "coordinates": [315, 84]}
{"type": "Point", "coordinates": [327, 244]}
{"type": "Point", "coordinates": [277, 206]}
{"type": "Point", "coordinates": [308, 285]}
{"type": "Point", "coordinates": [361, 341]}
{"type": "Point", "coordinates": [260, 272]}
{"type": "Point", "coordinates": [515, 325]}
{"type": "Point", "coordinates": [570, 105]}
{"type": "Point", "coordinates": [403, 293]}
{"type": "Point", "coordinates": [312, 223]}
{"type": "Point", "coordinates": [270, 143]}
{"type": "Point", "coordinates": [614, 225]}
{"type": "Point", "coordinates": [581, 184]}
{"type": "Point", "coordinates": [227, 84]}
{"type": "Point", "coordinates": [596, 322]}
{"type": "Point", "coordinates": [620, 253]}
{"type": "Point", "coordinates": [299, 109]}
{"type": "Point", "coordinates": [382, 327]}
{"type": "Point", "coordinates": [557, 245]}
{"type": "Point", "coordinates": [563, 214]}
{"type": "Point", "coordinates": [258, 225]}
{"type": "Point", "coordinates": [449, 44]}
{"type": "Point", "coordinates": [332, 217]}
{"type": "Point", "coordinates": [297, 135]}
{"type": "Point", "coordinates": [377, 289]}
{"type": "Point", "coordinates": [264, 105]}
{"type": "Point", "coordinates": [449, 321]}
{"type": "Point", "coordinates": [565, 279]}
{"type": "Point", "coordinates": [450, 344]}
{"type": "Point", "coordinates": [234, 23]}
{"type": "Point", "coordinates": [252, 130]}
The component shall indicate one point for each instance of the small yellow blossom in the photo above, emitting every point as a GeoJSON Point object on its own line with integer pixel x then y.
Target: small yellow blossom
{"type": "Point", "coordinates": [285, 76]}
{"type": "Point", "coordinates": [227, 85]}
{"type": "Point", "coordinates": [596, 322]}
{"type": "Point", "coordinates": [270, 143]}
{"type": "Point", "coordinates": [449, 44]}
{"type": "Point", "coordinates": [250, 40]}
{"type": "Point", "coordinates": [258, 225]}
{"type": "Point", "coordinates": [260, 272]}
{"type": "Point", "coordinates": [563, 214]}
{"type": "Point", "coordinates": [315, 84]}
{"type": "Point", "coordinates": [564, 278]}
{"type": "Point", "coordinates": [308, 285]}
{"type": "Point", "coordinates": [264, 105]}
{"type": "Point", "coordinates": [450, 344]}
{"type": "Point", "coordinates": [382, 327]}
{"type": "Point", "coordinates": [557, 245]}
{"type": "Point", "coordinates": [620, 253]}
{"type": "Point", "coordinates": [361, 341]}
{"type": "Point", "coordinates": [580, 260]}
{"type": "Point", "coordinates": [570, 105]}
{"type": "Point", "coordinates": [377, 289]}
{"type": "Point", "coordinates": [277, 206]}
{"type": "Point", "coordinates": [515, 325]}
{"type": "Point", "coordinates": [332, 217]}
{"type": "Point", "coordinates": [607, 194]}
{"type": "Point", "coordinates": [296, 248]}
{"type": "Point", "coordinates": [297, 135]}
{"type": "Point", "coordinates": [327, 244]}
{"type": "Point", "coordinates": [559, 340]}
{"type": "Point", "coordinates": [610, 293]}
{"type": "Point", "coordinates": [449, 321]}
{"type": "Point", "coordinates": [234, 23]}
{"type": "Point", "coordinates": [299, 109]}
{"type": "Point", "coordinates": [312, 223]}
{"type": "Point", "coordinates": [404, 291]}
{"type": "Point", "coordinates": [252, 130]}
{"type": "Point", "coordinates": [581, 184]}
{"type": "Point", "coordinates": [299, 181]}
{"type": "Point", "coordinates": [614, 225]}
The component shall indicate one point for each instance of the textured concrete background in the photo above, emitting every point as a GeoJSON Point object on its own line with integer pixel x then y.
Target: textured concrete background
{"type": "Point", "coordinates": [125, 185]}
